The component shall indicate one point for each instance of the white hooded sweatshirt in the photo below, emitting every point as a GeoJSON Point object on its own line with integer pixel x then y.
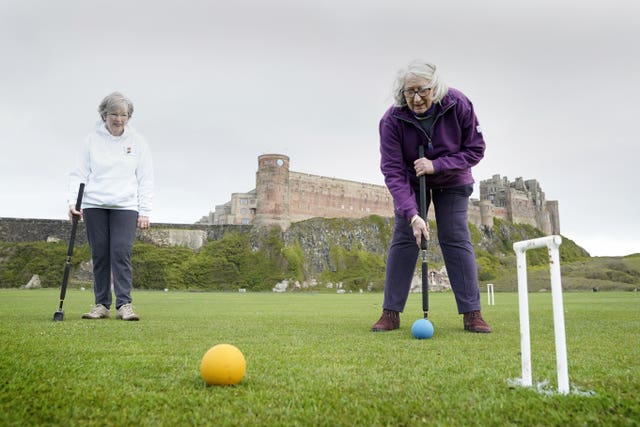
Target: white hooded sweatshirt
{"type": "Point", "coordinates": [117, 172]}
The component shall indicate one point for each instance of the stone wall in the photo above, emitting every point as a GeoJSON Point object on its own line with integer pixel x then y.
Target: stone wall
{"type": "Point", "coordinates": [17, 230]}
{"type": "Point", "coordinates": [314, 196]}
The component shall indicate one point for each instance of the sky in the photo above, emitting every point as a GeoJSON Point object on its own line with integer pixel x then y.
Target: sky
{"type": "Point", "coordinates": [215, 84]}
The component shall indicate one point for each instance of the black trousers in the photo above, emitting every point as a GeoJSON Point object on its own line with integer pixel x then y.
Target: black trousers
{"type": "Point", "coordinates": [111, 233]}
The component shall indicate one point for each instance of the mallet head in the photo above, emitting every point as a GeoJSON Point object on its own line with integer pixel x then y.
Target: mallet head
{"type": "Point", "coordinates": [58, 316]}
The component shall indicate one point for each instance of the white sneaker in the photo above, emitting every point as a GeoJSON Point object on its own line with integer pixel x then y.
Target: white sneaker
{"type": "Point", "coordinates": [125, 312]}
{"type": "Point", "coordinates": [99, 311]}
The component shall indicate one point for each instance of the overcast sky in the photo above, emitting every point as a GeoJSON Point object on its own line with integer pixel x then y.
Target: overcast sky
{"type": "Point", "coordinates": [215, 84]}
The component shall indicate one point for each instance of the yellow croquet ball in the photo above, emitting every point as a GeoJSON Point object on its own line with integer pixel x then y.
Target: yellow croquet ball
{"type": "Point", "coordinates": [223, 364]}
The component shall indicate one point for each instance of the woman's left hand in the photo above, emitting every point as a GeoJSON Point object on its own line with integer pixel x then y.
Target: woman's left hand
{"type": "Point", "coordinates": [143, 222]}
{"type": "Point", "coordinates": [423, 166]}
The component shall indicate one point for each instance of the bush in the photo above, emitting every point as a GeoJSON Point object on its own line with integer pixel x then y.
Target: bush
{"type": "Point", "coordinates": [20, 261]}
{"type": "Point", "coordinates": [488, 265]}
{"type": "Point", "coordinates": [157, 267]}
{"type": "Point", "coordinates": [209, 273]}
{"type": "Point", "coordinates": [295, 261]}
{"type": "Point", "coordinates": [355, 269]}
{"type": "Point", "coordinates": [476, 235]}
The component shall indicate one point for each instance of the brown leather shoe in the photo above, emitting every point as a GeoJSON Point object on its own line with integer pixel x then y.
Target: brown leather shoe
{"type": "Point", "coordinates": [473, 322]}
{"type": "Point", "coordinates": [389, 321]}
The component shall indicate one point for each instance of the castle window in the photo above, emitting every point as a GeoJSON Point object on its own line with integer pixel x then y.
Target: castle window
{"type": "Point", "coordinates": [244, 201]}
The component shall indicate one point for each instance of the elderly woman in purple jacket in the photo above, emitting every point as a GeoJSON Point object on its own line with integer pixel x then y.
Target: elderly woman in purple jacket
{"type": "Point", "coordinates": [441, 119]}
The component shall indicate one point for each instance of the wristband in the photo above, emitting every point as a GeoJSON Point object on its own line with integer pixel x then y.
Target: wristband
{"type": "Point", "coordinates": [414, 219]}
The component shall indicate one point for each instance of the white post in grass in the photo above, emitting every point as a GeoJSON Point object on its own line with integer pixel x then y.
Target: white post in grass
{"type": "Point", "coordinates": [523, 305]}
{"type": "Point", "coordinates": [553, 244]}
{"type": "Point", "coordinates": [491, 300]}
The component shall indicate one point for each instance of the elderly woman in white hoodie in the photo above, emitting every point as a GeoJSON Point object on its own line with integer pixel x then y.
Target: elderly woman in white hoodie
{"type": "Point", "coordinates": [117, 170]}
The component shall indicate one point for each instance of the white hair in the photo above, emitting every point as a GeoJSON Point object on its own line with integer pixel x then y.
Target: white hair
{"type": "Point", "coordinates": [113, 103]}
{"type": "Point", "coordinates": [420, 69]}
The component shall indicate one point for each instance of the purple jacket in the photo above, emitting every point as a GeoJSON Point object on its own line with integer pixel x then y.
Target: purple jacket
{"type": "Point", "coordinates": [456, 145]}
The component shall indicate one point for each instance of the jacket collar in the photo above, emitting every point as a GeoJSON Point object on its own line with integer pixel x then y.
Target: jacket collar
{"type": "Point", "coordinates": [102, 130]}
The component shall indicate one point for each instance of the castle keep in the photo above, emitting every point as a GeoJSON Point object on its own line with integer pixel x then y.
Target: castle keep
{"type": "Point", "coordinates": [282, 196]}
{"type": "Point", "coordinates": [520, 202]}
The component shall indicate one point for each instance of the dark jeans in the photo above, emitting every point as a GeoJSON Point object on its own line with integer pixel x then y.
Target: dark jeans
{"type": "Point", "coordinates": [451, 207]}
{"type": "Point", "coordinates": [111, 233]}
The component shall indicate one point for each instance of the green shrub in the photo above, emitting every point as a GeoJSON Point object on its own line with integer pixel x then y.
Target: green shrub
{"type": "Point", "coordinates": [476, 235]}
{"type": "Point", "coordinates": [355, 269]}
{"type": "Point", "coordinates": [295, 261]}
{"type": "Point", "coordinates": [570, 251]}
{"type": "Point", "coordinates": [20, 261]}
{"type": "Point", "coordinates": [234, 262]}
{"type": "Point", "coordinates": [204, 272]}
{"type": "Point", "coordinates": [614, 276]}
{"type": "Point", "coordinates": [488, 265]}
{"type": "Point", "coordinates": [156, 267]}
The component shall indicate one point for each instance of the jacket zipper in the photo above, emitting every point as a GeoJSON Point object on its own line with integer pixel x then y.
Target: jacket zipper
{"type": "Point", "coordinates": [429, 142]}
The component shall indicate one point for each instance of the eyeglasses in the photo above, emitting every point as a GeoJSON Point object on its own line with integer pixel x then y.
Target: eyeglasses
{"type": "Point", "coordinates": [410, 93]}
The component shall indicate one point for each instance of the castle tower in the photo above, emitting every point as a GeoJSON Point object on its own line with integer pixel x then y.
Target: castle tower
{"type": "Point", "coordinates": [486, 214]}
{"type": "Point", "coordinates": [543, 222]}
{"type": "Point", "coordinates": [554, 216]}
{"type": "Point", "coordinates": [272, 191]}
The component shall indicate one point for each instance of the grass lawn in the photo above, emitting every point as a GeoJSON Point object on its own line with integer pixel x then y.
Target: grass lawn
{"type": "Point", "coordinates": [311, 360]}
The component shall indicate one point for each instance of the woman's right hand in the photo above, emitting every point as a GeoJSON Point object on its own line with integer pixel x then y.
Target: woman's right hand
{"type": "Point", "coordinates": [423, 166]}
{"type": "Point", "coordinates": [73, 211]}
{"type": "Point", "coordinates": [420, 228]}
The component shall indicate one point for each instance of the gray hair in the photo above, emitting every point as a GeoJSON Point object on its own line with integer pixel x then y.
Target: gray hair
{"type": "Point", "coordinates": [420, 69]}
{"type": "Point", "coordinates": [113, 103]}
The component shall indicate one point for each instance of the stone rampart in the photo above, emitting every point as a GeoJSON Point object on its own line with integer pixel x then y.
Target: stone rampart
{"type": "Point", "coordinates": [16, 230]}
{"type": "Point", "coordinates": [314, 196]}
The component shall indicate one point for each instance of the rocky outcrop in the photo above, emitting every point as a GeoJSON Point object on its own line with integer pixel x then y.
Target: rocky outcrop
{"type": "Point", "coordinates": [318, 235]}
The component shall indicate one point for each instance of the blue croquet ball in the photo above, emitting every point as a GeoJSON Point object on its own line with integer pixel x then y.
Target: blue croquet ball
{"type": "Point", "coordinates": [422, 329]}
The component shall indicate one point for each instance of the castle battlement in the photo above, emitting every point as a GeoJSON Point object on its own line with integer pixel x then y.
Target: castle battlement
{"type": "Point", "coordinates": [521, 202]}
{"type": "Point", "coordinates": [282, 196]}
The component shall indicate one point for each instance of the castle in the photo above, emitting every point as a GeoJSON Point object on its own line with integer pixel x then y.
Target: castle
{"type": "Point", "coordinates": [283, 196]}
